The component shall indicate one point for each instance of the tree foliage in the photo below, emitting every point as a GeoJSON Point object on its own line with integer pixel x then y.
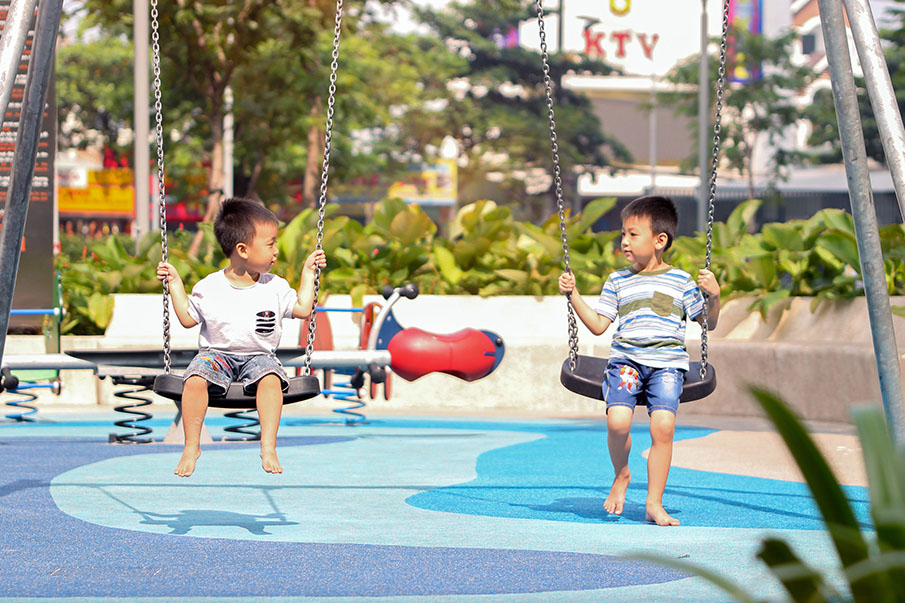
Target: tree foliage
{"type": "Point", "coordinates": [758, 111]}
{"type": "Point", "coordinates": [822, 113]}
{"type": "Point", "coordinates": [497, 113]}
{"type": "Point", "coordinates": [91, 103]}
{"type": "Point", "coordinates": [399, 98]}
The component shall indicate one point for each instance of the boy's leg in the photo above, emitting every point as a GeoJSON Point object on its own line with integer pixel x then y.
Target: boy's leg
{"type": "Point", "coordinates": [662, 429]}
{"type": "Point", "coordinates": [269, 399]}
{"type": "Point", "coordinates": [620, 390]}
{"type": "Point", "coordinates": [619, 443]}
{"type": "Point", "coordinates": [207, 368]}
{"type": "Point", "coordinates": [264, 375]}
{"type": "Point", "coordinates": [664, 388]}
{"type": "Point", "coordinates": [194, 407]}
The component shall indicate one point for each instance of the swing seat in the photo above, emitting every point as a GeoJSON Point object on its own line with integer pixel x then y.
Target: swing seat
{"type": "Point", "coordinates": [301, 388]}
{"type": "Point", "coordinates": [587, 379]}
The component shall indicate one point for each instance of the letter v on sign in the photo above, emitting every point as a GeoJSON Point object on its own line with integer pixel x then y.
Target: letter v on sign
{"type": "Point", "coordinates": [648, 48]}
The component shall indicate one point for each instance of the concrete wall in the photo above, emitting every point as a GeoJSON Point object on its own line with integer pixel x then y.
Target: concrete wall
{"type": "Point", "coordinates": [822, 362]}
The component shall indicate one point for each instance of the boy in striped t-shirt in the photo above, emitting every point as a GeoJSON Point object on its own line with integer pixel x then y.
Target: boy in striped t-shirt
{"type": "Point", "coordinates": [647, 357]}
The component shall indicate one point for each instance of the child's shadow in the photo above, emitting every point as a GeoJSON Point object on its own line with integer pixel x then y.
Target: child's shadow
{"type": "Point", "coordinates": [592, 508]}
{"type": "Point", "coordinates": [183, 521]}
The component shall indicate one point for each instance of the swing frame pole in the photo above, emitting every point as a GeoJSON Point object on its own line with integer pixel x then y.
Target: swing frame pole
{"type": "Point", "coordinates": [23, 167]}
{"type": "Point", "coordinates": [880, 91]}
{"type": "Point", "coordinates": [12, 42]}
{"type": "Point", "coordinates": [865, 217]}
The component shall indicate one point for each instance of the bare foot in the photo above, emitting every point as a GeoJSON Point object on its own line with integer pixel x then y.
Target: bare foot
{"type": "Point", "coordinates": [658, 515]}
{"type": "Point", "coordinates": [616, 499]}
{"type": "Point", "coordinates": [186, 465]}
{"type": "Point", "coordinates": [269, 460]}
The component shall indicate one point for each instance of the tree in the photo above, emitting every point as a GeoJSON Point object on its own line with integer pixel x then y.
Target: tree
{"type": "Point", "coordinates": [275, 56]}
{"type": "Point", "coordinates": [822, 112]}
{"type": "Point", "coordinates": [204, 44]}
{"type": "Point", "coordinates": [280, 111]}
{"type": "Point", "coordinates": [496, 108]}
{"type": "Point", "coordinates": [91, 107]}
{"type": "Point", "coordinates": [824, 135]}
{"type": "Point", "coordinates": [762, 109]}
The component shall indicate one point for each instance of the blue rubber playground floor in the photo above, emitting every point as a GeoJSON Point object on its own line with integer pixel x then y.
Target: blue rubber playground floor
{"type": "Point", "coordinates": [398, 508]}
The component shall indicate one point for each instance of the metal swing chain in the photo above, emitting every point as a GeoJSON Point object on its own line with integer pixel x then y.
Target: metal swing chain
{"type": "Point", "coordinates": [557, 180]}
{"type": "Point", "coordinates": [325, 173]}
{"type": "Point", "coordinates": [714, 164]}
{"type": "Point", "coordinates": [161, 182]}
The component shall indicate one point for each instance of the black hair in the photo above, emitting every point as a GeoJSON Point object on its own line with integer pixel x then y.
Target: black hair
{"type": "Point", "coordinates": [661, 212]}
{"type": "Point", "coordinates": [237, 221]}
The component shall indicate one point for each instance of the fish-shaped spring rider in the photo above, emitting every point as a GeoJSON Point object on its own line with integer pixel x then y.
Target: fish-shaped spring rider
{"type": "Point", "coordinates": [469, 354]}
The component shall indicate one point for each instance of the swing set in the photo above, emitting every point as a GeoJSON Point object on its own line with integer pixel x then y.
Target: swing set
{"type": "Point", "coordinates": [468, 354]}
{"type": "Point", "coordinates": [581, 374]}
{"type": "Point", "coordinates": [585, 375]}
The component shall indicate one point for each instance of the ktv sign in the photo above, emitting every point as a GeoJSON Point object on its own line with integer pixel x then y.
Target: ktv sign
{"type": "Point", "coordinates": [639, 37]}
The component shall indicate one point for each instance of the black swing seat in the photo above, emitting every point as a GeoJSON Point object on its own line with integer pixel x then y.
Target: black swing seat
{"type": "Point", "coordinates": [587, 379]}
{"type": "Point", "coordinates": [301, 388]}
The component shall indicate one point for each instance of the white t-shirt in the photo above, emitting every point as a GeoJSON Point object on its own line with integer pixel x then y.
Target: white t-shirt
{"type": "Point", "coordinates": [241, 320]}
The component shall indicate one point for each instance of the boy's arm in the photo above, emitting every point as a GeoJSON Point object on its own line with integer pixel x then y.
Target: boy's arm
{"type": "Point", "coordinates": [711, 288]}
{"type": "Point", "coordinates": [177, 294]}
{"type": "Point", "coordinates": [596, 323]}
{"type": "Point", "coordinates": [302, 308]}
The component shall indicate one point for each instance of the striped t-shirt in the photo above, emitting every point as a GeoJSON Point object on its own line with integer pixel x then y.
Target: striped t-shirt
{"type": "Point", "coordinates": [652, 307]}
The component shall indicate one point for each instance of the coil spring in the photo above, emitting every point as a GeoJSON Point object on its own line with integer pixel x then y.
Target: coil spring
{"type": "Point", "coordinates": [23, 403]}
{"type": "Point", "coordinates": [138, 431]}
{"type": "Point", "coordinates": [247, 433]}
{"type": "Point", "coordinates": [348, 392]}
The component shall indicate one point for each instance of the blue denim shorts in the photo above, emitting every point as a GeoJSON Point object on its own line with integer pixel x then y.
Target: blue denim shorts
{"type": "Point", "coordinates": [220, 369]}
{"type": "Point", "coordinates": [626, 382]}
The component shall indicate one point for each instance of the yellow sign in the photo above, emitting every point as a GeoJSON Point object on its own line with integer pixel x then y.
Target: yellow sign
{"type": "Point", "coordinates": [104, 193]}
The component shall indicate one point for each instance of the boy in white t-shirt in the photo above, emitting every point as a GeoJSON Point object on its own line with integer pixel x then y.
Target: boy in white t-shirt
{"type": "Point", "coordinates": [240, 310]}
{"type": "Point", "coordinates": [652, 301]}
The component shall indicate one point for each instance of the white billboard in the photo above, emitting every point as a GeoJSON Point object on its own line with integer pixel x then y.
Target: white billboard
{"type": "Point", "coordinates": [640, 37]}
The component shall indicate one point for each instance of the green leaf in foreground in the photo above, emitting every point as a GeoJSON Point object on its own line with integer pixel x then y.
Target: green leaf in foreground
{"type": "Point", "coordinates": [718, 580]}
{"type": "Point", "coordinates": [831, 500]}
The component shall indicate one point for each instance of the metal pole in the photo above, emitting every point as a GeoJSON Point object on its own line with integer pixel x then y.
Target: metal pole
{"type": "Point", "coordinates": [703, 124]}
{"type": "Point", "coordinates": [141, 118]}
{"type": "Point", "coordinates": [652, 134]}
{"type": "Point", "coordinates": [872, 271]}
{"type": "Point", "coordinates": [228, 127]}
{"type": "Point", "coordinates": [15, 31]}
{"type": "Point", "coordinates": [880, 90]}
{"type": "Point", "coordinates": [23, 168]}
{"type": "Point", "coordinates": [561, 27]}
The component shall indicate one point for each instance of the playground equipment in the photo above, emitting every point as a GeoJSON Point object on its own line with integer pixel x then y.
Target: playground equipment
{"type": "Point", "coordinates": [585, 374]}
{"type": "Point", "coordinates": [878, 85]}
{"type": "Point", "coordinates": [469, 354]}
{"type": "Point", "coordinates": [385, 348]}
{"type": "Point", "coordinates": [892, 134]}
{"type": "Point", "coordinates": [21, 384]}
{"type": "Point", "coordinates": [411, 347]}
{"type": "Point", "coordinates": [301, 387]}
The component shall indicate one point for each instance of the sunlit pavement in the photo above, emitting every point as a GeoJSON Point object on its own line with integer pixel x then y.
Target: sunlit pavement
{"type": "Point", "coordinates": [397, 507]}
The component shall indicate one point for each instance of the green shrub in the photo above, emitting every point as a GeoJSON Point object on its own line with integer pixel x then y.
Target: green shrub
{"type": "Point", "coordinates": [488, 252]}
